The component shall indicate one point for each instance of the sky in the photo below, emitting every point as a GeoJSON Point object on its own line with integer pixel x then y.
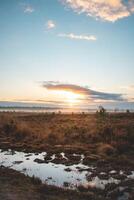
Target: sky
{"type": "Point", "coordinates": [67, 52]}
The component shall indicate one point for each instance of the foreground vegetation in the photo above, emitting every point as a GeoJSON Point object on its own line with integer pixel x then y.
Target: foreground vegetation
{"type": "Point", "coordinates": [111, 133]}
{"type": "Point", "coordinates": [106, 140]}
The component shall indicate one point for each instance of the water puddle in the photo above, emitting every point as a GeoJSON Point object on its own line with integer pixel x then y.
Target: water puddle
{"type": "Point", "coordinates": [61, 175]}
{"type": "Point", "coordinates": [55, 174]}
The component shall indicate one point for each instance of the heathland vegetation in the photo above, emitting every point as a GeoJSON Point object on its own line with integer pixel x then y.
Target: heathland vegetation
{"type": "Point", "coordinates": [105, 139]}
{"type": "Point", "coordinates": [113, 133]}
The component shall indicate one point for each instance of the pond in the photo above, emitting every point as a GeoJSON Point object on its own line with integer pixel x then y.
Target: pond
{"type": "Point", "coordinates": [61, 175]}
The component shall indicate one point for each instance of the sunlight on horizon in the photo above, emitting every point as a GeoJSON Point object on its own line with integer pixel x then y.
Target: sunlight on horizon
{"type": "Point", "coordinates": [69, 97]}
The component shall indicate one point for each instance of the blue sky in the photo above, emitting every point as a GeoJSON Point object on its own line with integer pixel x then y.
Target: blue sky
{"type": "Point", "coordinates": [53, 40]}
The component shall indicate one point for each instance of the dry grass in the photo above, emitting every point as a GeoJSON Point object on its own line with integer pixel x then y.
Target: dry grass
{"type": "Point", "coordinates": [109, 134]}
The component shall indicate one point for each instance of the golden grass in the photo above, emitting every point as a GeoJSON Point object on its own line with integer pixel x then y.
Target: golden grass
{"type": "Point", "coordinates": [38, 131]}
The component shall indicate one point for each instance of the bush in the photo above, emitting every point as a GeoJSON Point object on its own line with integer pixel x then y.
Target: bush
{"type": "Point", "coordinates": [101, 112]}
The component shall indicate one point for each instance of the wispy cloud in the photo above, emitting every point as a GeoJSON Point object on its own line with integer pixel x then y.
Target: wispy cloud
{"type": "Point", "coordinates": [50, 24]}
{"type": "Point", "coordinates": [109, 10]}
{"type": "Point", "coordinates": [87, 92]}
{"type": "Point", "coordinates": [27, 8]}
{"type": "Point", "coordinates": [32, 104]}
{"type": "Point", "coordinates": [78, 37]}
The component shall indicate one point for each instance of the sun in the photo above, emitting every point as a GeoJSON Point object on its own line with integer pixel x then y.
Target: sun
{"type": "Point", "coordinates": [69, 97]}
{"type": "Point", "coordinates": [72, 98]}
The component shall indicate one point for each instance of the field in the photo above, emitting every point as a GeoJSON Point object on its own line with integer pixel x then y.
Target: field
{"type": "Point", "coordinates": [106, 141]}
{"type": "Point", "coordinates": [89, 133]}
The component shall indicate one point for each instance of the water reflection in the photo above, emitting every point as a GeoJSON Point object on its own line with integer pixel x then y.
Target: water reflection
{"type": "Point", "coordinates": [72, 176]}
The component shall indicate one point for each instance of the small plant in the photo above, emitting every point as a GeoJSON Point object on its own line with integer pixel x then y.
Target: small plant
{"type": "Point", "coordinates": [101, 112]}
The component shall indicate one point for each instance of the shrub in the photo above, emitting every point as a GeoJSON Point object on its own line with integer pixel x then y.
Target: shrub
{"type": "Point", "coordinates": [101, 112]}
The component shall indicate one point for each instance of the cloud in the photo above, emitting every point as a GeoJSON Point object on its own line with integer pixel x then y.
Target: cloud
{"type": "Point", "coordinates": [28, 8]}
{"type": "Point", "coordinates": [37, 101]}
{"type": "Point", "coordinates": [88, 93]}
{"type": "Point", "coordinates": [50, 24]}
{"type": "Point", "coordinates": [78, 37]}
{"type": "Point", "coordinates": [32, 104]}
{"type": "Point", "coordinates": [108, 10]}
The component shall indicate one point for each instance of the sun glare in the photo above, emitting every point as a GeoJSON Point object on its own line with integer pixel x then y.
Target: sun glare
{"type": "Point", "coordinates": [69, 97]}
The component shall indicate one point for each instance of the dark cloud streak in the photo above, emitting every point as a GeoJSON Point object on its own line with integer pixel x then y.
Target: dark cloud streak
{"type": "Point", "coordinates": [89, 93]}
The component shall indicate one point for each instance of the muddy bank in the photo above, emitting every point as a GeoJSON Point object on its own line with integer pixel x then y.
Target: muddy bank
{"type": "Point", "coordinates": [17, 186]}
